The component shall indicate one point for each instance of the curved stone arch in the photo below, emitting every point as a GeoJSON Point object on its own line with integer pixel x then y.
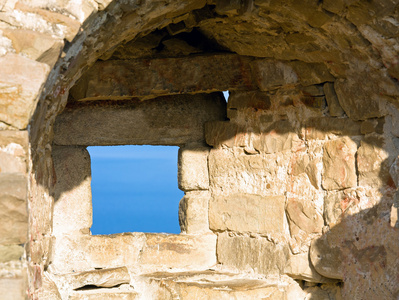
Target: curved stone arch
{"type": "Point", "coordinates": [84, 47]}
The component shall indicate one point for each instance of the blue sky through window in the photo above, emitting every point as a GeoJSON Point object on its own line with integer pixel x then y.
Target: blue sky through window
{"type": "Point", "coordinates": [134, 188]}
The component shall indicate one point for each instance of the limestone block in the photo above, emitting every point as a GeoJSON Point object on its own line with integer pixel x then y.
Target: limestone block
{"type": "Point", "coordinates": [360, 101]}
{"type": "Point", "coordinates": [221, 133]}
{"type": "Point", "coordinates": [311, 73]}
{"type": "Point", "coordinates": [10, 252]}
{"type": "Point", "coordinates": [13, 209]}
{"type": "Point", "coordinates": [178, 251]}
{"type": "Point", "coordinates": [222, 291]}
{"type": "Point", "coordinates": [299, 267]}
{"type": "Point", "coordinates": [372, 162]}
{"type": "Point", "coordinates": [326, 256]}
{"type": "Point", "coordinates": [277, 137]}
{"type": "Point", "coordinates": [146, 252]}
{"type": "Point", "coordinates": [247, 213]}
{"type": "Point", "coordinates": [116, 79]}
{"type": "Point", "coordinates": [321, 128]}
{"type": "Point", "coordinates": [233, 172]}
{"type": "Point", "coordinates": [193, 212]}
{"type": "Point", "coordinates": [103, 294]}
{"type": "Point", "coordinates": [72, 192]}
{"type": "Point", "coordinates": [251, 253]}
{"type": "Point", "coordinates": [13, 151]}
{"type": "Point", "coordinates": [334, 107]}
{"type": "Point", "coordinates": [373, 126]}
{"type": "Point", "coordinates": [21, 81]}
{"type": "Point", "coordinates": [138, 122]}
{"type": "Point", "coordinates": [37, 46]}
{"type": "Point", "coordinates": [77, 253]}
{"type": "Point", "coordinates": [339, 164]}
{"type": "Point", "coordinates": [304, 215]}
{"type": "Point", "coordinates": [101, 278]}
{"type": "Point", "coordinates": [193, 168]}
{"type": "Point", "coordinates": [12, 289]}
{"type": "Point", "coordinates": [48, 289]}
{"type": "Point", "coordinates": [270, 74]}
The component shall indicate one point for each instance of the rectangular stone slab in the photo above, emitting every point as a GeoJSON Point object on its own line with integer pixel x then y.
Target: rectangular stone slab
{"type": "Point", "coordinates": [169, 120]}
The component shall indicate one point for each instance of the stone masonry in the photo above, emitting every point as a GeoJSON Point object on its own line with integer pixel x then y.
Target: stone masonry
{"type": "Point", "coordinates": [291, 186]}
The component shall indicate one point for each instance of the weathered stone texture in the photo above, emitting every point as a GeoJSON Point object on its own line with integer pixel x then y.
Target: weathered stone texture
{"type": "Point", "coordinates": [246, 213]}
{"type": "Point", "coordinates": [137, 251]}
{"type": "Point", "coordinates": [339, 164]}
{"type": "Point", "coordinates": [21, 81]}
{"type": "Point", "coordinates": [12, 289]}
{"type": "Point", "coordinates": [83, 124]}
{"type": "Point", "coordinates": [13, 209]}
{"type": "Point", "coordinates": [72, 191]}
{"type": "Point", "coordinates": [193, 212]}
{"type": "Point", "coordinates": [251, 253]}
{"type": "Point", "coordinates": [193, 168]}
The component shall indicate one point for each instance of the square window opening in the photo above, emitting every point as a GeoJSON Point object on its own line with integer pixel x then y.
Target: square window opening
{"type": "Point", "coordinates": [134, 189]}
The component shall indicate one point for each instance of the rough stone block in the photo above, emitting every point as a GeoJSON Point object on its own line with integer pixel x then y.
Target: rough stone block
{"type": "Point", "coordinates": [35, 45]}
{"type": "Point", "coordinates": [372, 162]}
{"type": "Point", "coordinates": [12, 289]}
{"type": "Point", "coordinates": [193, 168]}
{"type": "Point", "coordinates": [278, 136]}
{"type": "Point", "coordinates": [360, 101]}
{"type": "Point", "coordinates": [321, 128]}
{"type": "Point", "coordinates": [100, 278]}
{"type": "Point", "coordinates": [271, 74]}
{"type": "Point", "coordinates": [13, 209]}
{"type": "Point", "coordinates": [247, 213]}
{"type": "Point", "coordinates": [299, 267]}
{"type": "Point", "coordinates": [72, 192]}
{"type": "Point", "coordinates": [221, 133]}
{"type": "Point", "coordinates": [334, 107]}
{"type": "Point", "coordinates": [103, 294]}
{"type": "Point", "coordinates": [193, 212]}
{"type": "Point", "coordinates": [164, 76]}
{"type": "Point", "coordinates": [337, 204]}
{"type": "Point", "coordinates": [138, 122]}
{"type": "Point", "coordinates": [13, 151]}
{"type": "Point", "coordinates": [252, 254]}
{"type": "Point", "coordinates": [304, 215]}
{"type": "Point", "coordinates": [10, 252]}
{"type": "Point", "coordinates": [339, 164]}
{"type": "Point", "coordinates": [21, 81]}
{"type": "Point", "coordinates": [138, 251]}
{"type": "Point", "coordinates": [178, 251]}
{"type": "Point", "coordinates": [235, 172]}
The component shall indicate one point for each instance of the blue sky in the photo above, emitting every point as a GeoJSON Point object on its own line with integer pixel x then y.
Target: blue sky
{"type": "Point", "coordinates": [134, 188]}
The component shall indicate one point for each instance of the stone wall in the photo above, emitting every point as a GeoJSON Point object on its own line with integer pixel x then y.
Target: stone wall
{"type": "Point", "coordinates": [290, 190]}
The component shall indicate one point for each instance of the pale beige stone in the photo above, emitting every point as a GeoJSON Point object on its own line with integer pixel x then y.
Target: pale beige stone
{"type": "Point", "coordinates": [339, 164]}
{"type": "Point", "coordinates": [10, 252]}
{"type": "Point", "coordinates": [178, 251]}
{"type": "Point", "coordinates": [251, 254]}
{"type": "Point", "coordinates": [101, 278]}
{"type": "Point", "coordinates": [13, 209]}
{"type": "Point", "coordinates": [106, 294]}
{"type": "Point", "coordinates": [21, 81]}
{"type": "Point", "coordinates": [72, 191]}
{"type": "Point", "coordinates": [304, 215]}
{"type": "Point", "coordinates": [247, 213]}
{"type": "Point", "coordinates": [372, 162]}
{"type": "Point", "coordinates": [193, 212]}
{"type": "Point", "coordinates": [326, 257]}
{"type": "Point", "coordinates": [193, 168]}
{"type": "Point", "coordinates": [138, 122]}
{"type": "Point", "coordinates": [12, 289]}
{"type": "Point", "coordinates": [299, 267]}
{"type": "Point", "coordinates": [146, 252]}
